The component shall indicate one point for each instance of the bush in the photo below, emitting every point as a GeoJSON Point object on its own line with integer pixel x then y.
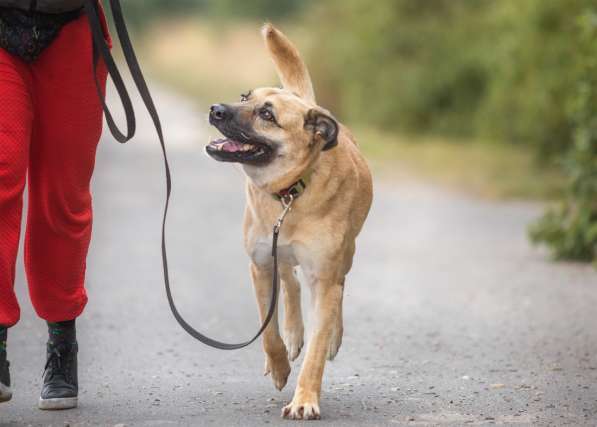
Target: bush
{"type": "Point", "coordinates": [571, 229]}
{"type": "Point", "coordinates": [261, 10]}
{"type": "Point", "coordinates": [510, 71]}
{"type": "Point", "coordinates": [477, 68]}
{"type": "Point", "coordinates": [142, 12]}
{"type": "Point", "coordinates": [407, 65]}
{"type": "Point", "coordinates": [532, 77]}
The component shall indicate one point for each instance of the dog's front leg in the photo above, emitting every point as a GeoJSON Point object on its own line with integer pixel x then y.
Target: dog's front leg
{"type": "Point", "coordinates": [276, 357]}
{"type": "Point", "coordinates": [293, 316]}
{"type": "Point", "coordinates": [328, 300]}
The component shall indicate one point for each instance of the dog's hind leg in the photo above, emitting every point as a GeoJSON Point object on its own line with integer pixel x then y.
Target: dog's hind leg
{"type": "Point", "coordinates": [293, 317]}
{"type": "Point", "coordinates": [276, 358]}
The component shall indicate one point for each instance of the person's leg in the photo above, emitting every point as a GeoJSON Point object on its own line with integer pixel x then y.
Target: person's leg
{"type": "Point", "coordinates": [66, 132]}
{"type": "Point", "coordinates": [16, 116]}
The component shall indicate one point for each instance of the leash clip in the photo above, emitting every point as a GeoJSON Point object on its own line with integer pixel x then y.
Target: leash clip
{"type": "Point", "coordinates": [286, 201]}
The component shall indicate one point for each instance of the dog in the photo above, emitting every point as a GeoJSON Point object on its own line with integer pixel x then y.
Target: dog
{"type": "Point", "coordinates": [291, 149]}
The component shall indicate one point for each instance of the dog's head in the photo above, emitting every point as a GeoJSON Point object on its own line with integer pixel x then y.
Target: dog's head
{"type": "Point", "coordinates": [275, 132]}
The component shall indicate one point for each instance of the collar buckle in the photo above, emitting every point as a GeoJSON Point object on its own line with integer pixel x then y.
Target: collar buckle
{"type": "Point", "coordinates": [294, 191]}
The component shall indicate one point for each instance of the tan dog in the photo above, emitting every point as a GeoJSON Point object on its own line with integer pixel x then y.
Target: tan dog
{"type": "Point", "coordinates": [287, 144]}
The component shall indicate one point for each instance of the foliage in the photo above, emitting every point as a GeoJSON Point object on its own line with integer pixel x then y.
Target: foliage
{"type": "Point", "coordinates": [405, 64]}
{"type": "Point", "coordinates": [571, 229]}
{"type": "Point", "coordinates": [256, 9]}
{"type": "Point", "coordinates": [142, 12]}
{"type": "Point", "coordinates": [476, 68]}
{"type": "Point", "coordinates": [532, 68]}
{"type": "Point", "coordinates": [508, 71]}
{"type": "Point", "coordinates": [512, 72]}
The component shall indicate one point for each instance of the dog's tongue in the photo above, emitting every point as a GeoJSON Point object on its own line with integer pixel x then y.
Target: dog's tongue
{"type": "Point", "coordinates": [232, 146]}
{"type": "Point", "coordinates": [227, 145]}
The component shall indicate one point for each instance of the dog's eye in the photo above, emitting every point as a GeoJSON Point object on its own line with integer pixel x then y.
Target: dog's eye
{"type": "Point", "coordinates": [266, 114]}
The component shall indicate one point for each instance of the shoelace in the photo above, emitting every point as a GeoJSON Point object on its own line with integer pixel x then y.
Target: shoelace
{"type": "Point", "coordinates": [55, 362]}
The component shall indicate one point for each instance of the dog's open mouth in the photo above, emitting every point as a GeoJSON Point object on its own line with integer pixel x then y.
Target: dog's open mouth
{"type": "Point", "coordinates": [229, 150]}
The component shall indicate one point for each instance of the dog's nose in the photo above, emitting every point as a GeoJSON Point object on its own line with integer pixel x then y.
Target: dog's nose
{"type": "Point", "coordinates": [219, 112]}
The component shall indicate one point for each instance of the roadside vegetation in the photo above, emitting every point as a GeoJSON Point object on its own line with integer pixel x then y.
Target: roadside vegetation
{"type": "Point", "coordinates": [497, 98]}
{"type": "Point", "coordinates": [485, 169]}
{"type": "Point", "coordinates": [571, 228]}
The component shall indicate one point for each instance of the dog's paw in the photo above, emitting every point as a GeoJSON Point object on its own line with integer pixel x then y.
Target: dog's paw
{"type": "Point", "coordinates": [335, 342]}
{"type": "Point", "coordinates": [302, 407]}
{"type": "Point", "coordinates": [293, 340]}
{"type": "Point", "coordinates": [279, 368]}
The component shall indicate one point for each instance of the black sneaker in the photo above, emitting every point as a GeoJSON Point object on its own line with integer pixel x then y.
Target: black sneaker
{"type": "Point", "coordinates": [60, 387]}
{"type": "Point", "coordinates": [5, 391]}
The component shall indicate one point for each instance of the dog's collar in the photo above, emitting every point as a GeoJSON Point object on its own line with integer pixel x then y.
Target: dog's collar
{"type": "Point", "coordinates": [295, 190]}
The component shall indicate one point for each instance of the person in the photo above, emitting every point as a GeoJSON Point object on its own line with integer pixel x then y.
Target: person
{"type": "Point", "coordinates": [50, 125]}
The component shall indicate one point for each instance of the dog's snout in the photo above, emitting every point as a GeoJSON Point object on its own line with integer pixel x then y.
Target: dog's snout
{"type": "Point", "coordinates": [219, 112]}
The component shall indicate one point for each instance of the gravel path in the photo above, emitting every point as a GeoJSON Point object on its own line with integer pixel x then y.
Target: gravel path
{"type": "Point", "coordinates": [451, 318]}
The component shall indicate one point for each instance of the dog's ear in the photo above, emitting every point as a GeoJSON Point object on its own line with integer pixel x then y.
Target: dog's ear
{"type": "Point", "coordinates": [323, 126]}
{"type": "Point", "coordinates": [291, 69]}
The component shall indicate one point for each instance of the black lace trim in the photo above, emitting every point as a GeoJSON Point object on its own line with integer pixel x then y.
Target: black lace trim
{"type": "Point", "coordinates": [27, 34]}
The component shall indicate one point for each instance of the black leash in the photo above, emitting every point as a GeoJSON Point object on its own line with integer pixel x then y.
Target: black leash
{"type": "Point", "coordinates": [100, 48]}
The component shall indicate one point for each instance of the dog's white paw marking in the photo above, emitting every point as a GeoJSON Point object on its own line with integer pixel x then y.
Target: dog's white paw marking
{"type": "Point", "coordinates": [279, 369]}
{"type": "Point", "coordinates": [335, 342]}
{"type": "Point", "coordinates": [293, 340]}
{"type": "Point", "coordinates": [301, 410]}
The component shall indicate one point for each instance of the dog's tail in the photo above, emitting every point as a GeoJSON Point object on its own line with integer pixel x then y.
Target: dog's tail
{"type": "Point", "coordinates": [291, 69]}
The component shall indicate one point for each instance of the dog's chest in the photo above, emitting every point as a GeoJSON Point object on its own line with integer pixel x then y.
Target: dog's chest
{"type": "Point", "coordinates": [261, 253]}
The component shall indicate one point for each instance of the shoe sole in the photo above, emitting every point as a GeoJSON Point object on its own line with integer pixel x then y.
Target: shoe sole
{"type": "Point", "coordinates": [5, 393]}
{"type": "Point", "coordinates": [57, 404]}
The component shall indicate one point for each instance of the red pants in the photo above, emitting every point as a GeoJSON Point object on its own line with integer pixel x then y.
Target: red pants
{"type": "Point", "coordinates": [50, 124]}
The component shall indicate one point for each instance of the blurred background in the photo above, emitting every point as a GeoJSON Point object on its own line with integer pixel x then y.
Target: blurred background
{"type": "Point", "coordinates": [479, 119]}
{"type": "Point", "coordinates": [494, 98]}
